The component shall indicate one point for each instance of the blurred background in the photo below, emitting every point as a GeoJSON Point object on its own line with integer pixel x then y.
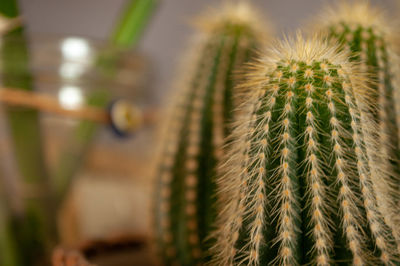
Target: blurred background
{"type": "Point", "coordinates": [164, 39]}
{"type": "Point", "coordinates": [110, 198]}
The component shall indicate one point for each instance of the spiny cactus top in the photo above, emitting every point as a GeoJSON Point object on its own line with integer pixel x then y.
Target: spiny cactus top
{"type": "Point", "coordinates": [194, 137]}
{"type": "Point", "coordinates": [363, 31]}
{"type": "Point", "coordinates": [297, 186]}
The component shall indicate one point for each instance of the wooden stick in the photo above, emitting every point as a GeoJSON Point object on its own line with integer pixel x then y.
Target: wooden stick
{"type": "Point", "coordinates": [49, 104]}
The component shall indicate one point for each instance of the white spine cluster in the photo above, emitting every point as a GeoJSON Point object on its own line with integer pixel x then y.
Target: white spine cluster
{"type": "Point", "coordinates": [315, 176]}
{"type": "Point", "coordinates": [345, 177]}
{"type": "Point", "coordinates": [286, 202]}
{"type": "Point", "coordinates": [232, 185]}
{"type": "Point", "coordinates": [374, 217]}
{"type": "Point", "coordinates": [254, 205]}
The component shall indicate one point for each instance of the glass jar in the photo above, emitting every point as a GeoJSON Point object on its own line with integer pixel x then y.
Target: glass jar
{"type": "Point", "coordinates": [94, 178]}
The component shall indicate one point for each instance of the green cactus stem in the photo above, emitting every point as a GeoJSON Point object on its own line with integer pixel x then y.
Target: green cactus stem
{"type": "Point", "coordinates": [297, 186]}
{"type": "Point", "coordinates": [363, 31]}
{"type": "Point", "coordinates": [194, 138]}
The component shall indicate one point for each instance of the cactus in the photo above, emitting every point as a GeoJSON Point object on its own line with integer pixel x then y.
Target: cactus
{"type": "Point", "coordinates": [363, 31]}
{"type": "Point", "coordinates": [195, 131]}
{"type": "Point", "coordinates": [297, 186]}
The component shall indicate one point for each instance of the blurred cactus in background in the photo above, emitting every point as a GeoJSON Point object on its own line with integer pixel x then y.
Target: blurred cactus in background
{"type": "Point", "coordinates": [197, 125]}
{"type": "Point", "coordinates": [364, 32]}
{"type": "Point", "coordinates": [297, 187]}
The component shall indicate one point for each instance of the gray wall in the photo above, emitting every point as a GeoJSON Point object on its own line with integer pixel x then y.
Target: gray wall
{"type": "Point", "coordinates": [165, 38]}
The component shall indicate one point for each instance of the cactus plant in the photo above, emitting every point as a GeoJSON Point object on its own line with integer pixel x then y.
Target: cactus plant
{"type": "Point", "coordinates": [297, 186]}
{"type": "Point", "coordinates": [363, 31]}
{"type": "Point", "coordinates": [195, 131]}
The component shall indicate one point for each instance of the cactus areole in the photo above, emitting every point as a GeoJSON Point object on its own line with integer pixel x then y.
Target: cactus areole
{"type": "Point", "coordinates": [297, 187]}
{"type": "Point", "coordinates": [200, 119]}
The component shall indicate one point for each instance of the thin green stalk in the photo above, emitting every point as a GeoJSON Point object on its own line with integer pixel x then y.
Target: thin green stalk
{"type": "Point", "coordinates": [126, 34]}
{"type": "Point", "coordinates": [133, 22]}
{"type": "Point", "coordinates": [24, 125]}
{"type": "Point", "coordinates": [8, 251]}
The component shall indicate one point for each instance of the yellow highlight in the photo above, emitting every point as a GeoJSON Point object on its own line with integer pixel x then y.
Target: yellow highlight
{"type": "Point", "coordinates": [327, 79]}
{"type": "Point", "coordinates": [308, 74]}
{"type": "Point", "coordinates": [286, 122]}
{"type": "Point", "coordinates": [324, 67]}
{"type": "Point", "coordinates": [278, 74]}
{"type": "Point", "coordinates": [291, 81]}
{"type": "Point", "coordinates": [285, 166]}
{"type": "Point", "coordinates": [286, 193]}
{"type": "Point", "coordinates": [309, 101]}
{"type": "Point", "coordinates": [329, 93]}
{"type": "Point", "coordinates": [314, 174]}
{"type": "Point", "coordinates": [286, 252]}
{"type": "Point", "coordinates": [311, 144]}
{"type": "Point", "coordinates": [308, 87]}
{"type": "Point", "coordinates": [285, 136]}
{"type": "Point", "coordinates": [285, 235]}
{"type": "Point", "coordinates": [285, 152]}
{"type": "Point", "coordinates": [334, 121]}
{"type": "Point", "coordinates": [337, 148]}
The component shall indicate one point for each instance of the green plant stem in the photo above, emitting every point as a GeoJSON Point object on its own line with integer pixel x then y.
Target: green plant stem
{"type": "Point", "coordinates": [133, 22]}
{"type": "Point", "coordinates": [8, 251]}
{"type": "Point", "coordinates": [126, 34]}
{"type": "Point", "coordinates": [24, 125]}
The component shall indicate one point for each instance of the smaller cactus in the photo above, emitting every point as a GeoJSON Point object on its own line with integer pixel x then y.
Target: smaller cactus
{"type": "Point", "coordinates": [364, 32]}
{"type": "Point", "coordinates": [297, 187]}
{"type": "Point", "coordinates": [200, 119]}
